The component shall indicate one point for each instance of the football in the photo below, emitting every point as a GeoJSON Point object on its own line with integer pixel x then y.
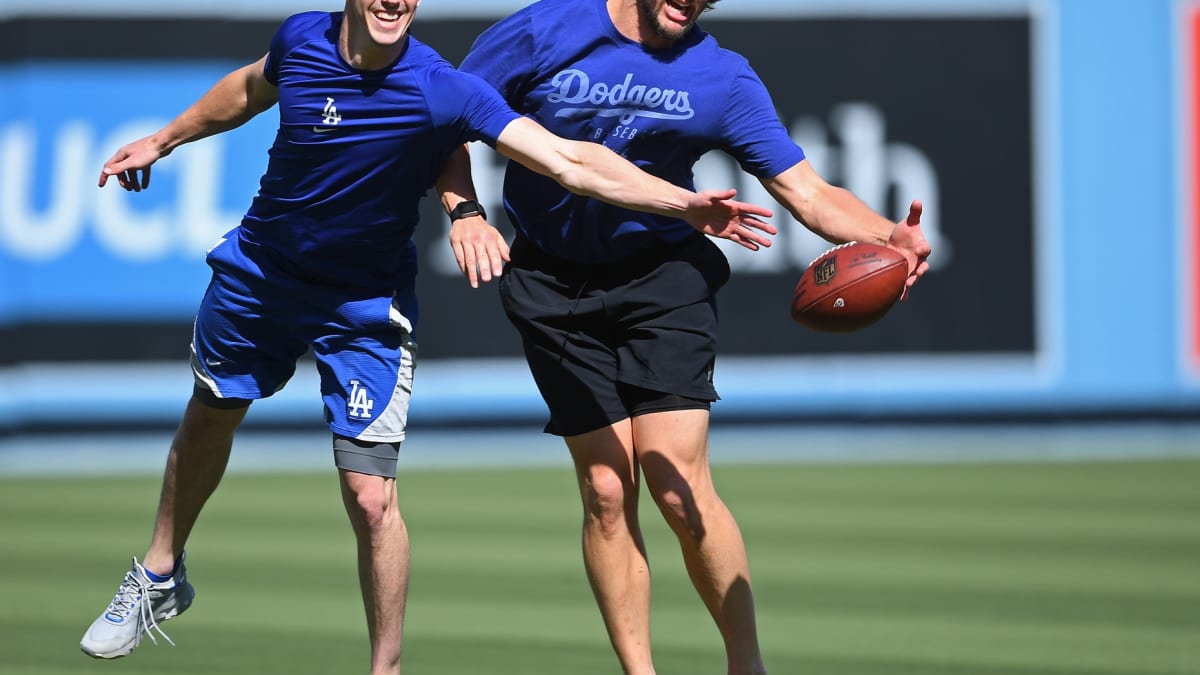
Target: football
{"type": "Point", "coordinates": [849, 287]}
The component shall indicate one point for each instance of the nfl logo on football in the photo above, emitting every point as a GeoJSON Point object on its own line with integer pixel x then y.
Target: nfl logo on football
{"type": "Point", "coordinates": [825, 270]}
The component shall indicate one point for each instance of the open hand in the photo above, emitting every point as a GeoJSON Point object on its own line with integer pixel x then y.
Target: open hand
{"type": "Point", "coordinates": [908, 239]}
{"type": "Point", "coordinates": [131, 165]}
{"type": "Point", "coordinates": [479, 249]}
{"type": "Point", "coordinates": [715, 213]}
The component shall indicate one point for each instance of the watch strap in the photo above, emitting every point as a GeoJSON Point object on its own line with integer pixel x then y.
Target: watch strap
{"type": "Point", "coordinates": [466, 209]}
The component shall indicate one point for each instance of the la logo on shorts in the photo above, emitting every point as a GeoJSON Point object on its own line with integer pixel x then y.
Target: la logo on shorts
{"type": "Point", "coordinates": [358, 403]}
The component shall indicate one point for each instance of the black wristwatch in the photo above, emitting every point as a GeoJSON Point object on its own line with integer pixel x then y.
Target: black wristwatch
{"type": "Point", "coordinates": [466, 209]}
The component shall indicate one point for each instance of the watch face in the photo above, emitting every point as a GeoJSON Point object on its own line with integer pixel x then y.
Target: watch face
{"type": "Point", "coordinates": [467, 209]}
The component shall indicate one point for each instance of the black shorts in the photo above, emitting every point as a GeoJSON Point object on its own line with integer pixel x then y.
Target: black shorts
{"type": "Point", "coordinates": [605, 342]}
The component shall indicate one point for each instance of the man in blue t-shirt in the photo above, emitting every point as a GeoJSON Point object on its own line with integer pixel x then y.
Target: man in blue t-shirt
{"type": "Point", "coordinates": [324, 260]}
{"type": "Point", "coordinates": [616, 309]}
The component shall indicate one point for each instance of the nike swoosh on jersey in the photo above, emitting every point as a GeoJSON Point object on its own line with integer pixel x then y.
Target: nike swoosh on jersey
{"type": "Point", "coordinates": [323, 130]}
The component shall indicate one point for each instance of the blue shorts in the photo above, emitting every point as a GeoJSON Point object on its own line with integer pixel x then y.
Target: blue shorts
{"type": "Point", "coordinates": [256, 321]}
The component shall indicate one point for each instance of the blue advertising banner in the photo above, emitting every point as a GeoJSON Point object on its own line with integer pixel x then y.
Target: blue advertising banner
{"type": "Point", "coordinates": [72, 251]}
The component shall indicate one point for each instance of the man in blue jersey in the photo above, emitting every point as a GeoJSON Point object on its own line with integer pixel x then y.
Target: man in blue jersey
{"type": "Point", "coordinates": [324, 260]}
{"type": "Point", "coordinates": [616, 309]}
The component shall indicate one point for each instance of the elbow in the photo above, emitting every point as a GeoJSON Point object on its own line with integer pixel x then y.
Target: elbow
{"type": "Point", "coordinates": [572, 175]}
{"type": "Point", "coordinates": [583, 168]}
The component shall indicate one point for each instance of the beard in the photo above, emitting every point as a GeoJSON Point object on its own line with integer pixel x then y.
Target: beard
{"type": "Point", "coordinates": [650, 17]}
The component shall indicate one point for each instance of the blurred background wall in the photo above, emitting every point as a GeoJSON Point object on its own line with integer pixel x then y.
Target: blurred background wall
{"type": "Point", "coordinates": [1053, 142]}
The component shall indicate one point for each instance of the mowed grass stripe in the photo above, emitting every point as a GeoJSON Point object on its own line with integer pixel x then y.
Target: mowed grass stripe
{"type": "Point", "coordinates": [1014, 569]}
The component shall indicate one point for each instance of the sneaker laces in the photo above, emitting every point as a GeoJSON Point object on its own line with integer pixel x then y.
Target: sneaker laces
{"type": "Point", "coordinates": [134, 595]}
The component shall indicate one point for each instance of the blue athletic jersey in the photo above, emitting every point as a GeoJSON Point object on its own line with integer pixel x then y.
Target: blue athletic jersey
{"type": "Point", "coordinates": [355, 152]}
{"type": "Point", "coordinates": [564, 64]}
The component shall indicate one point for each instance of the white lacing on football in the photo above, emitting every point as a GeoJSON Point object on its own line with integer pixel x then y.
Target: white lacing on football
{"type": "Point", "coordinates": [849, 243]}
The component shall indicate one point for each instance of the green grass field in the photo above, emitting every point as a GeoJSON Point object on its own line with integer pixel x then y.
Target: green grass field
{"type": "Point", "coordinates": [975, 569]}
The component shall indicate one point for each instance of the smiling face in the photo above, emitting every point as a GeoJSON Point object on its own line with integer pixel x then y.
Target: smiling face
{"type": "Point", "coordinates": [663, 22]}
{"type": "Point", "coordinates": [374, 31]}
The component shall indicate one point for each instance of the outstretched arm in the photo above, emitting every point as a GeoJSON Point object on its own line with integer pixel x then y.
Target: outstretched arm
{"type": "Point", "coordinates": [231, 102]}
{"type": "Point", "coordinates": [838, 216]}
{"type": "Point", "coordinates": [592, 170]}
{"type": "Point", "coordinates": [479, 249]}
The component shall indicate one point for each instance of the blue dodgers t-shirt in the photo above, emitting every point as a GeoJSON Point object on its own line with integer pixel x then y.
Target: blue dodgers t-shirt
{"type": "Point", "coordinates": [564, 64]}
{"type": "Point", "coordinates": [355, 152]}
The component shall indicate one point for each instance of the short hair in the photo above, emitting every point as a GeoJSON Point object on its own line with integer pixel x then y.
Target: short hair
{"type": "Point", "coordinates": [709, 4]}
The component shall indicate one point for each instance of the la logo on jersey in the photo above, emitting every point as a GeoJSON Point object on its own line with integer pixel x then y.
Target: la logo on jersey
{"type": "Point", "coordinates": [358, 405]}
{"type": "Point", "coordinates": [331, 116]}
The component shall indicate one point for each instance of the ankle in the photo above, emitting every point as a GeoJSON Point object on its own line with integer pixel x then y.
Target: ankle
{"type": "Point", "coordinates": [157, 570]}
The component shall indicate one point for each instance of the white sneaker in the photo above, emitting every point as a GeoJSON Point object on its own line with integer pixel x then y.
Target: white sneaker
{"type": "Point", "coordinates": [137, 608]}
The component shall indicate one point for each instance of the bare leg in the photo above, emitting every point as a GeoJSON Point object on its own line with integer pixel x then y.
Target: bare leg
{"type": "Point", "coordinates": [197, 460]}
{"type": "Point", "coordinates": [672, 449]}
{"type": "Point", "coordinates": [614, 553]}
{"type": "Point", "coordinates": [383, 558]}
